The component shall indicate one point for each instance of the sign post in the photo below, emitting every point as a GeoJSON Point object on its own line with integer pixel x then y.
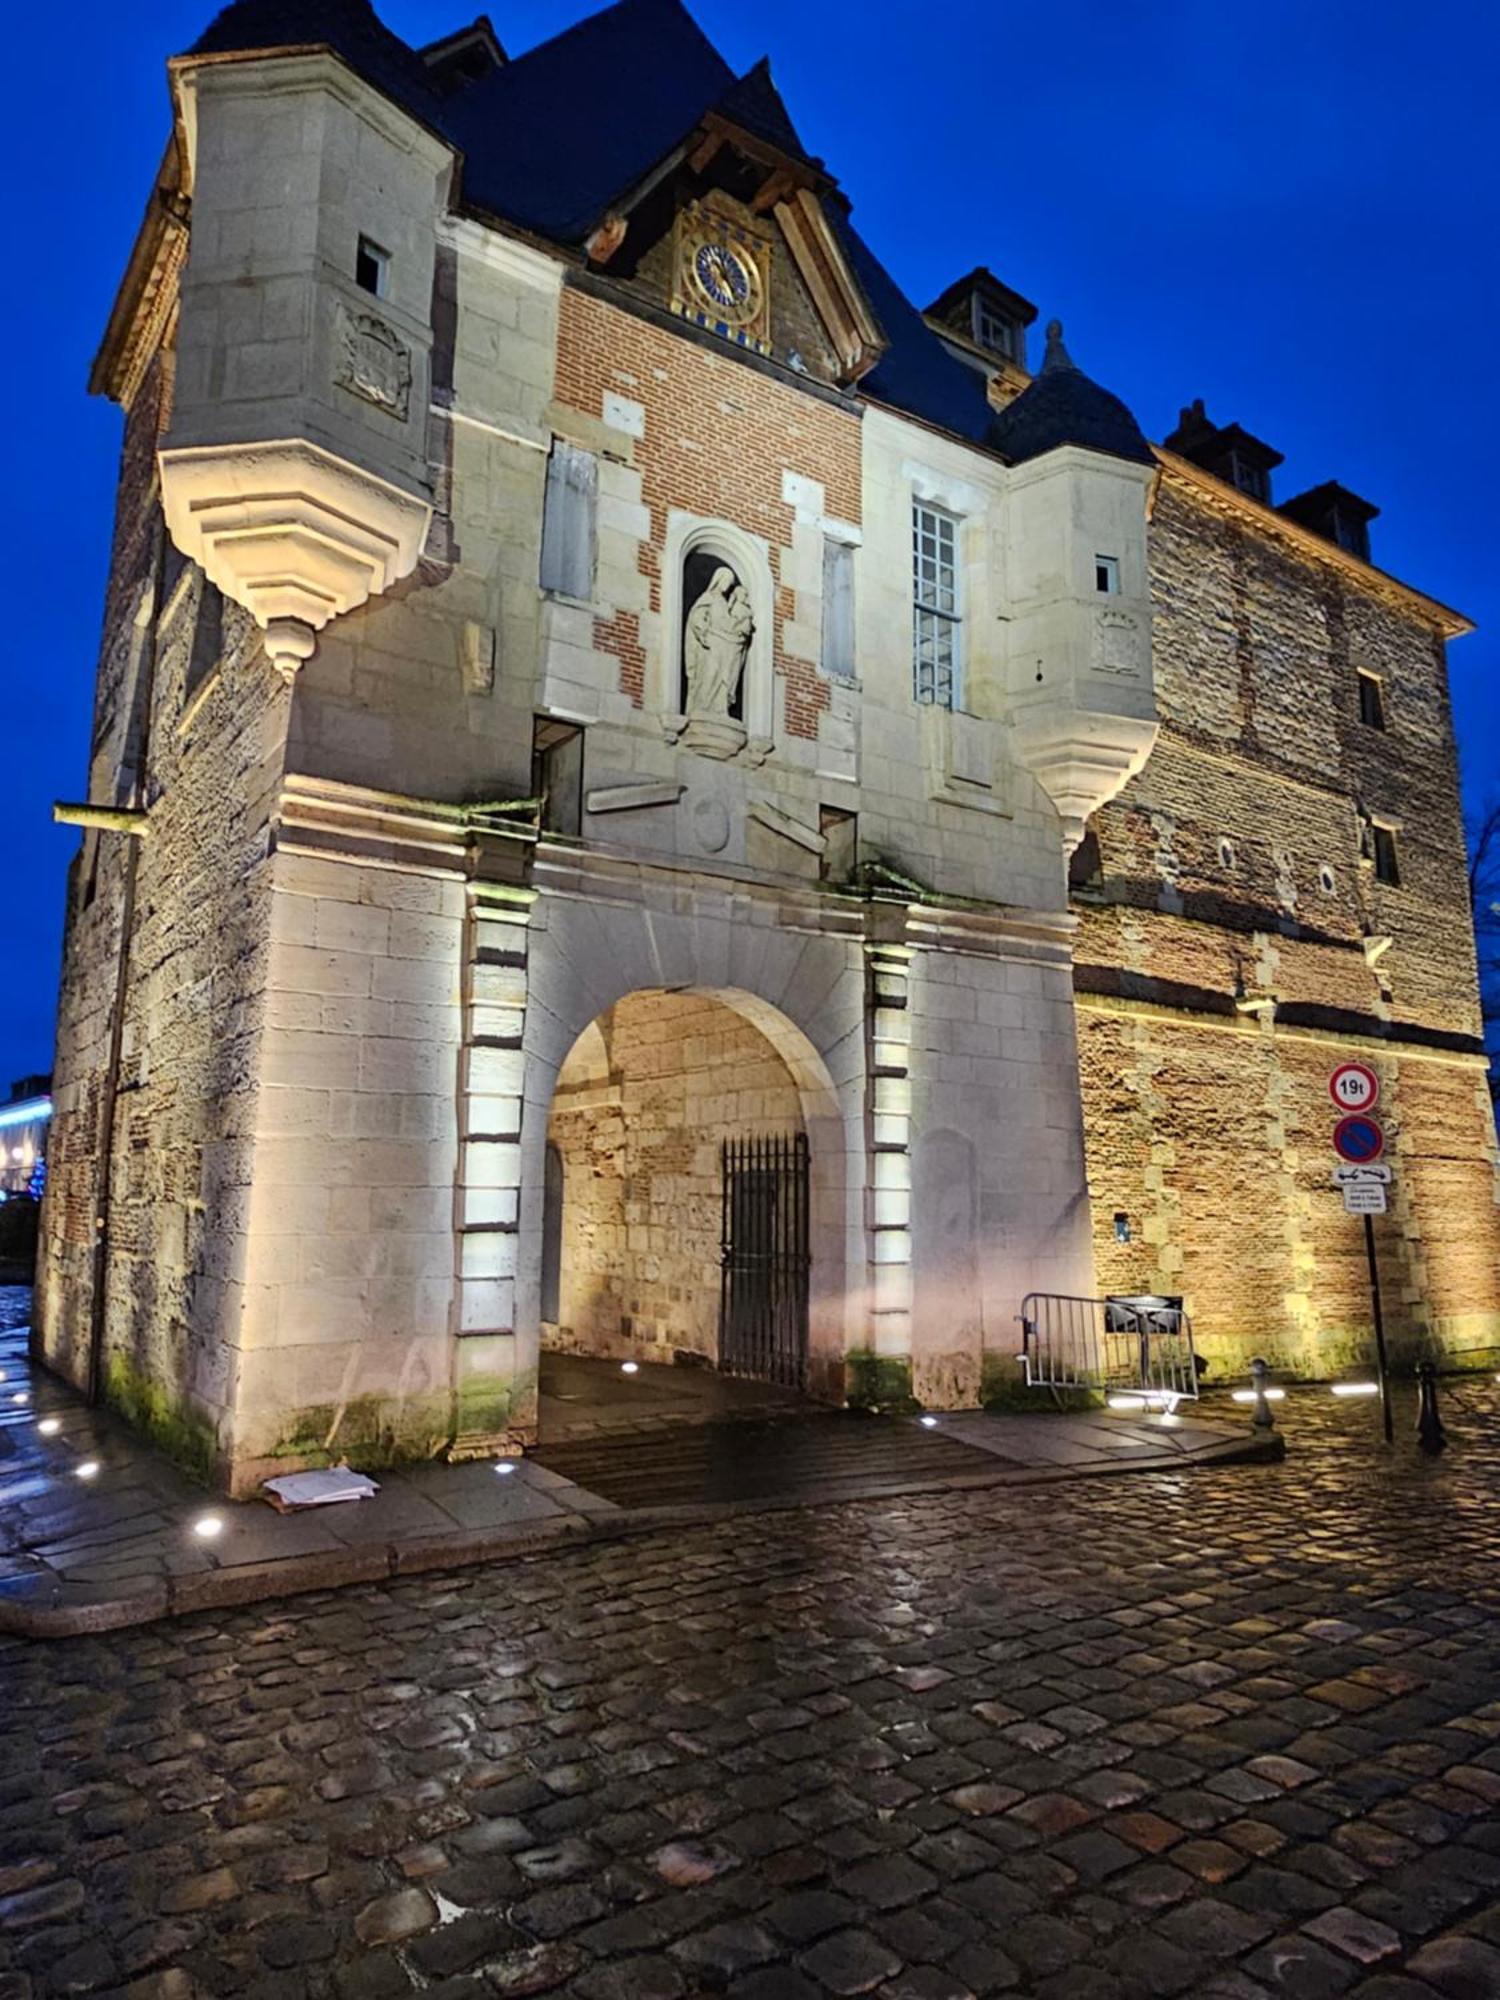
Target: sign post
{"type": "Point", "coordinates": [1359, 1141]}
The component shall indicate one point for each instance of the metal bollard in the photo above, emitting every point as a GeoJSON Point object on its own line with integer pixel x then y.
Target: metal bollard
{"type": "Point", "coordinates": [1430, 1433]}
{"type": "Point", "coordinates": [1260, 1417]}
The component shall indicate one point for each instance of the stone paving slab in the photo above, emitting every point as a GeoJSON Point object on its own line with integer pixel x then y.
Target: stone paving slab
{"type": "Point", "coordinates": [120, 1549]}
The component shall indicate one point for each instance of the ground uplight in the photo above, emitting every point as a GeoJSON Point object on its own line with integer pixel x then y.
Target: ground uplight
{"type": "Point", "coordinates": [630, 1367]}
{"type": "Point", "coordinates": [207, 1526]}
{"type": "Point", "coordinates": [1355, 1388]}
{"type": "Point", "coordinates": [87, 1469]}
{"type": "Point", "coordinates": [505, 1466]}
{"type": "Point", "coordinates": [1248, 1395]}
{"type": "Point", "coordinates": [50, 1426]}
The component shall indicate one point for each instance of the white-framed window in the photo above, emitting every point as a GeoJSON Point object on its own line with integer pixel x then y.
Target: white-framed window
{"type": "Point", "coordinates": [838, 609]}
{"type": "Point", "coordinates": [372, 267]}
{"type": "Point", "coordinates": [992, 330]}
{"type": "Point", "coordinates": [1107, 574]}
{"type": "Point", "coordinates": [937, 610]}
{"type": "Point", "coordinates": [568, 522]}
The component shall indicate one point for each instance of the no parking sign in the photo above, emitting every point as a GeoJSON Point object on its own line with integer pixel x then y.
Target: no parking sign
{"type": "Point", "coordinates": [1358, 1139]}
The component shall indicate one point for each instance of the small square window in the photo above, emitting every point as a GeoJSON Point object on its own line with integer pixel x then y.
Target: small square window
{"type": "Point", "coordinates": [840, 857]}
{"type": "Point", "coordinates": [1371, 701]}
{"type": "Point", "coordinates": [557, 775]}
{"type": "Point", "coordinates": [1107, 574]}
{"type": "Point", "coordinates": [372, 267]}
{"type": "Point", "coordinates": [1387, 867]}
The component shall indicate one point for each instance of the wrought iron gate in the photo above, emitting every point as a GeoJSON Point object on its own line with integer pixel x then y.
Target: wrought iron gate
{"type": "Point", "coordinates": [764, 1255]}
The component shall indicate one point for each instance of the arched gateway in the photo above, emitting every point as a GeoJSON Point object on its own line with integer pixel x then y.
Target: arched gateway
{"type": "Point", "coordinates": [697, 1214]}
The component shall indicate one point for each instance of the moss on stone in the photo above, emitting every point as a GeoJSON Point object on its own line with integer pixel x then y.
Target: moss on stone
{"type": "Point", "coordinates": [879, 1382]}
{"type": "Point", "coordinates": [1003, 1389]}
{"type": "Point", "coordinates": [372, 1430]}
{"type": "Point", "coordinates": [172, 1424]}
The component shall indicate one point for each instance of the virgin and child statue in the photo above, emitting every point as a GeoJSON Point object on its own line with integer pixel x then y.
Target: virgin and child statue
{"type": "Point", "coordinates": [716, 642]}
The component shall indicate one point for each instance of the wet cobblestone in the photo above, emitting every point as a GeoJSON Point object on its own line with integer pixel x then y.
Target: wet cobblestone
{"type": "Point", "coordinates": [1230, 1733]}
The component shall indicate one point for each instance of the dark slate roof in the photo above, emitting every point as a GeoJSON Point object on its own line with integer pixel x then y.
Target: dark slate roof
{"type": "Point", "coordinates": [350, 27]}
{"type": "Point", "coordinates": [552, 141]}
{"type": "Point", "coordinates": [1062, 406]}
{"type": "Point", "coordinates": [547, 140]}
{"type": "Point", "coordinates": [916, 373]}
{"type": "Point", "coordinates": [754, 103]}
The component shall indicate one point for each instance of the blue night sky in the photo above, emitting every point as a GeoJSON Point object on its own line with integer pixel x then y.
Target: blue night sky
{"type": "Point", "coordinates": [1290, 209]}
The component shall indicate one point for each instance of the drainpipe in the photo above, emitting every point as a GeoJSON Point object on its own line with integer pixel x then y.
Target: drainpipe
{"type": "Point", "coordinates": [104, 1178]}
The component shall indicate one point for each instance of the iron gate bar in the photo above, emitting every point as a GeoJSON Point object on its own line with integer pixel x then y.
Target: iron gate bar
{"type": "Point", "coordinates": [764, 1259]}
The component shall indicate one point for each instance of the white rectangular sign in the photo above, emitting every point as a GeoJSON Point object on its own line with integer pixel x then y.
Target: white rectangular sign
{"type": "Point", "coordinates": [1347, 1175]}
{"type": "Point", "coordinates": [1365, 1198]}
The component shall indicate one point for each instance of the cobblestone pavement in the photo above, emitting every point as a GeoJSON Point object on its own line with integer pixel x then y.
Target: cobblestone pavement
{"type": "Point", "coordinates": [1227, 1733]}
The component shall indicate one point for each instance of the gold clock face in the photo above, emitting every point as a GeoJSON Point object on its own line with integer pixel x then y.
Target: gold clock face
{"type": "Point", "coordinates": [726, 280]}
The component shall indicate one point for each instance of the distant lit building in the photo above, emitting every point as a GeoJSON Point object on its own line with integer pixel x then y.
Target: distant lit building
{"type": "Point", "coordinates": [24, 1119]}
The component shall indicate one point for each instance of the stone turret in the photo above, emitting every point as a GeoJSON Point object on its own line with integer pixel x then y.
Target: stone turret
{"type": "Point", "coordinates": [295, 468]}
{"type": "Point", "coordinates": [1078, 640]}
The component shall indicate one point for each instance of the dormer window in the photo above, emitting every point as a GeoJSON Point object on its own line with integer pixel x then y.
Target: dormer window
{"type": "Point", "coordinates": [372, 267]}
{"type": "Point", "coordinates": [1228, 451]}
{"type": "Point", "coordinates": [978, 316]}
{"type": "Point", "coordinates": [1249, 476]}
{"type": "Point", "coordinates": [993, 330]}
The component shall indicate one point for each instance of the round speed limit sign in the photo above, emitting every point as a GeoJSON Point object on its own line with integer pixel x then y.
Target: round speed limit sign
{"type": "Point", "coordinates": [1354, 1086]}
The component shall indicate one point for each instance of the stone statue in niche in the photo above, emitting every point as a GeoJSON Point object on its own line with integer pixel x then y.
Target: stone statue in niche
{"type": "Point", "coordinates": [715, 642]}
{"type": "Point", "coordinates": [717, 627]}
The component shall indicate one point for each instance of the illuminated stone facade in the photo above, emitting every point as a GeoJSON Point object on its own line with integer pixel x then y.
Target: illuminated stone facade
{"type": "Point", "coordinates": [537, 756]}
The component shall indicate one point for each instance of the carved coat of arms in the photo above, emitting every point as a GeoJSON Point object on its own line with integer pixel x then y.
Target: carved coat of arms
{"type": "Point", "coordinates": [372, 361]}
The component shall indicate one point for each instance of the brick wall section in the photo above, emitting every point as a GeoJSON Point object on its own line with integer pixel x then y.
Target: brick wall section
{"type": "Point", "coordinates": [1208, 1126]}
{"type": "Point", "coordinates": [718, 437]}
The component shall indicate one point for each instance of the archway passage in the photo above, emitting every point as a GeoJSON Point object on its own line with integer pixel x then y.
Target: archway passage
{"type": "Point", "coordinates": [678, 1228]}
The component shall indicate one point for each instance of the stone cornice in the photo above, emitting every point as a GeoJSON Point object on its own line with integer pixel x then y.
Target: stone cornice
{"type": "Point", "coordinates": [141, 315]}
{"type": "Point", "coordinates": [1228, 500]}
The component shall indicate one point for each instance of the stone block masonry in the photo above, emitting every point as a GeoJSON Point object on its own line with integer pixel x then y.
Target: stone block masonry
{"type": "Point", "coordinates": [1236, 943]}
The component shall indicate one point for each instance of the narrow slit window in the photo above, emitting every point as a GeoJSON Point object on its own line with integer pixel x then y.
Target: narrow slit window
{"type": "Point", "coordinates": [1371, 701]}
{"type": "Point", "coordinates": [1387, 864]}
{"type": "Point", "coordinates": [936, 610]}
{"type": "Point", "coordinates": [372, 267]}
{"type": "Point", "coordinates": [1107, 575]}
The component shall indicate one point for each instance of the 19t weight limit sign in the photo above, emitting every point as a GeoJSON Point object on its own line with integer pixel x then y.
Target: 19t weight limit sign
{"type": "Point", "coordinates": [1354, 1086]}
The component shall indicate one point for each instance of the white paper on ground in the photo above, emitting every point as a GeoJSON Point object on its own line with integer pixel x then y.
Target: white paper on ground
{"type": "Point", "coordinates": [320, 1489]}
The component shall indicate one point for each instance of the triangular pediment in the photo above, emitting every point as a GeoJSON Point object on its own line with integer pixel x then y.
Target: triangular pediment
{"type": "Point", "coordinates": [744, 162]}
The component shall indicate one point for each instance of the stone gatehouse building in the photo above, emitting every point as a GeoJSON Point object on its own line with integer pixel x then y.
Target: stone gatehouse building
{"type": "Point", "coordinates": [650, 798]}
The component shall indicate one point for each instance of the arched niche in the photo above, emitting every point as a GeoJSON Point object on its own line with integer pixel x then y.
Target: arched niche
{"type": "Point", "coordinates": [715, 673]}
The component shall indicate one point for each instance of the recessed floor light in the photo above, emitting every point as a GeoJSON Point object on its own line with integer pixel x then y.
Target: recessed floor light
{"type": "Point", "coordinates": [88, 1470]}
{"type": "Point", "coordinates": [1248, 1395]}
{"type": "Point", "coordinates": [1355, 1388]}
{"type": "Point", "coordinates": [630, 1367]}
{"type": "Point", "coordinates": [208, 1525]}
{"type": "Point", "coordinates": [505, 1466]}
{"type": "Point", "coordinates": [929, 1423]}
{"type": "Point", "coordinates": [50, 1426]}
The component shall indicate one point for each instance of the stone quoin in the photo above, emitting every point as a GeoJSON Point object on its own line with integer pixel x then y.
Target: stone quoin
{"type": "Point", "coordinates": [593, 680]}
